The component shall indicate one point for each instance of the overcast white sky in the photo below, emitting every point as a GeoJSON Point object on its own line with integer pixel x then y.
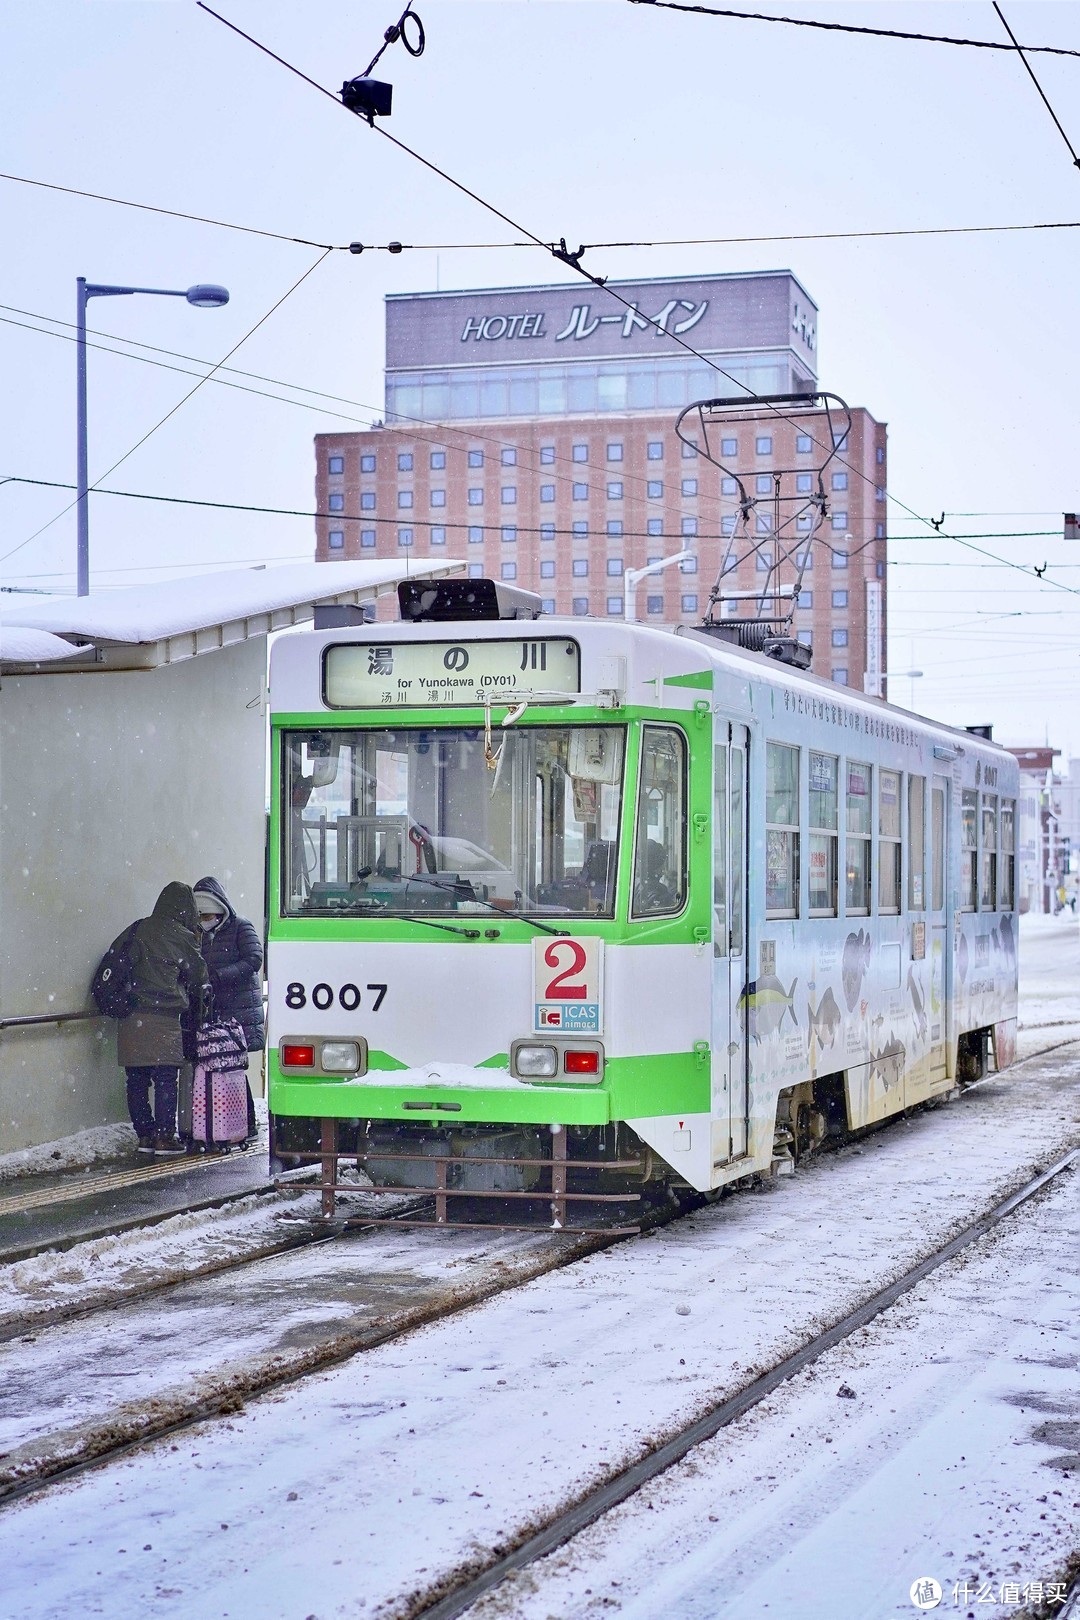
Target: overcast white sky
{"type": "Point", "coordinates": [594, 121]}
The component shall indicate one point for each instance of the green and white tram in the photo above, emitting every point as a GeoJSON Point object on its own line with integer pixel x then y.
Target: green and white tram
{"type": "Point", "coordinates": [562, 892]}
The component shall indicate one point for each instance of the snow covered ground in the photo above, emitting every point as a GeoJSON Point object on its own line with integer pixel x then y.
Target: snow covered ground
{"type": "Point", "coordinates": [349, 1494]}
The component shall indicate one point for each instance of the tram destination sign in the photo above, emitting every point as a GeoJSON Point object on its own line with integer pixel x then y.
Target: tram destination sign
{"type": "Point", "coordinates": [435, 674]}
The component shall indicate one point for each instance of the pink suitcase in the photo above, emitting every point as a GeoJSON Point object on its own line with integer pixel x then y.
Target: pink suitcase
{"type": "Point", "coordinates": [219, 1090]}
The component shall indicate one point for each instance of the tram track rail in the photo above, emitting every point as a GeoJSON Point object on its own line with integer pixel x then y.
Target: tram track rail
{"type": "Point", "coordinates": [453, 1597]}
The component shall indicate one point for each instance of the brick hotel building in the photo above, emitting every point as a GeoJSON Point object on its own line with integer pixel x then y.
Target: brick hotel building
{"type": "Point", "coordinates": [531, 432]}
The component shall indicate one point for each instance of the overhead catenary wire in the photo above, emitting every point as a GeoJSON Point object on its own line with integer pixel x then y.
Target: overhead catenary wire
{"type": "Point", "coordinates": [173, 410]}
{"type": "Point", "coordinates": [854, 28]}
{"type": "Point", "coordinates": [1020, 51]}
{"type": "Point", "coordinates": [395, 247]}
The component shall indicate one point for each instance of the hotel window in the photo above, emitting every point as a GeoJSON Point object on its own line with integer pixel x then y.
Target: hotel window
{"type": "Point", "coordinates": [549, 604]}
{"type": "Point", "coordinates": [839, 599]}
{"type": "Point", "coordinates": [337, 503]}
{"type": "Point", "coordinates": [614, 491]}
{"type": "Point", "coordinates": [1007, 856]}
{"type": "Point", "coordinates": [839, 638]}
{"type": "Point", "coordinates": [805, 561]}
{"type": "Point", "coordinates": [763, 484]}
{"type": "Point", "coordinates": [805, 638]}
{"type": "Point", "coordinates": [806, 600]}
{"type": "Point", "coordinates": [689, 603]}
{"type": "Point", "coordinates": [335, 464]}
{"type": "Point", "coordinates": [916, 805]}
{"type": "Point", "coordinates": [729, 447]}
{"type": "Point", "coordinates": [615, 607]}
{"type": "Point", "coordinates": [889, 866]}
{"type": "Point", "coordinates": [404, 537]}
{"type": "Point", "coordinates": [654, 489]}
{"type": "Point", "coordinates": [580, 567]}
{"type": "Point", "coordinates": [727, 524]}
{"type": "Point", "coordinates": [763, 444]}
{"type": "Point", "coordinates": [438, 497]}
{"type": "Point", "coordinates": [547, 455]}
{"type": "Point", "coordinates": [615, 566]}
{"type": "Point", "coordinates": [879, 534]}
{"type": "Point", "coordinates": [804, 483]}
{"type": "Point", "coordinates": [858, 828]}
{"type": "Point", "coordinates": [763, 560]}
{"type": "Point", "coordinates": [688, 525]}
{"type": "Point", "coordinates": [476, 458]}
{"type": "Point", "coordinates": [654, 604]}
{"type": "Point", "coordinates": [404, 498]}
{"type": "Point", "coordinates": [367, 463]}
{"type": "Point", "coordinates": [508, 495]}
{"type": "Point", "coordinates": [476, 536]}
{"type": "Point", "coordinates": [508, 533]}
{"type": "Point", "coordinates": [404, 461]}
{"type": "Point", "coordinates": [508, 570]}
{"type": "Point", "coordinates": [689, 451]}
{"type": "Point", "coordinates": [803, 444]}
{"type": "Point", "coordinates": [781, 830]}
{"type": "Point", "coordinates": [839, 559]}
{"type": "Point", "coordinates": [839, 480]}
{"type": "Point", "coordinates": [654, 526]}
{"type": "Point", "coordinates": [476, 570]}
{"type": "Point", "coordinates": [547, 492]}
{"type": "Point", "coordinates": [476, 497]}
{"type": "Point", "coordinates": [547, 568]}
{"type": "Point", "coordinates": [688, 565]}
{"type": "Point", "coordinates": [579, 526]}
{"type": "Point", "coordinates": [763, 523]}
{"type": "Point", "coordinates": [839, 677]}
{"type": "Point", "coordinates": [438, 536]}
{"type": "Point", "coordinates": [689, 486]}
{"type": "Point", "coordinates": [367, 501]}
{"type": "Point", "coordinates": [547, 531]}
{"type": "Point", "coordinates": [824, 769]}
{"type": "Point", "coordinates": [367, 537]}
{"type": "Point", "coordinates": [655, 450]}
{"type": "Point", "coordinates": [614, 452]}
{"type": "Point", "coordinates": [839, 520]}
{"type": "Point", "coordinates": [335, 539]}
{"type": "Point", "coordinates": [879, 492]}
{"type": "Point", "coordinates": [438, 460]}
{"type": "Point", "coordinates": [580, 452]}
{"type": "Point", "coordinates": [880, 455]}
{"type": "Point", "coordinates": [581, 492]}
{"type": "Point", "coordinates": [804, 522]}
{"type": "Point", "coordinates": [728, 486]}
{"type": "Point", "coordinates": [988, 886]}
{"type": "Point", "coordinates": [581, 606]}
{"type": "Point", "coordinates": [615, 526]}
{"type": "Point", "coordinates": [508, 457]}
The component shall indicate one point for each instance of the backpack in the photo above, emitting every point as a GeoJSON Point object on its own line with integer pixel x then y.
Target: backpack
{"type": "Point", "coordinates": [111, 989]}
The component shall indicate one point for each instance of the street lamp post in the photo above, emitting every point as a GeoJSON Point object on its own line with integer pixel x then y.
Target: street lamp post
{"type": "Point", "coordinates": [631, 576]}
{"type": "Point", "coordinates": [203, 297]}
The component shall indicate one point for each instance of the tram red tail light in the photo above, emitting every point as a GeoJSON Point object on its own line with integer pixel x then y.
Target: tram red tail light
{"type": "Point", "coordinates": [298, 1057]}
{"type": "Point", "coordinates": [581, 1062]}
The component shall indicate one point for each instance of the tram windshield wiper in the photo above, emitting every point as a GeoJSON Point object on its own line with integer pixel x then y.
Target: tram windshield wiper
{"type": "Point", "coordinates": [456, 884]}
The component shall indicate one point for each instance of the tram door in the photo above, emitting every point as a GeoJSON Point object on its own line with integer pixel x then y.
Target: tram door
{"type": "Point", "coordinates": [730, 1071]}
{"type": "Point", "coordinates": [940, 933]}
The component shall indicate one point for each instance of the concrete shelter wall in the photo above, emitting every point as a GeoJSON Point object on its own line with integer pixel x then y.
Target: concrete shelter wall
{"type": "Point", "coordinates": [112, 784]}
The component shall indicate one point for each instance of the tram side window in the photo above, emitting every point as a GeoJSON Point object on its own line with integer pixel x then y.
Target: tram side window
{"type": "Point", "coordinates": [937, 849]}
{"type": "Point", "coordinates": [781, 830]}
{"type": "Point", "coordinates": [969, 841]}
{"type": "Point", "coordinates": [889, 860]}
{"type": "Point", "coordinates": [857, 852]}
{"type": "Point", "coordinates": [720, 849]}
{"type": "Point", "coordinates": [916, 842]}
{"type": "Point", "coordinates": [660, 835]}
{"type": "Point", "coordinates": [988, 887]}
{"type": "Point", "coordinates": [1007, 855]}
{"type": "Point", "coordinates": [824, 773]}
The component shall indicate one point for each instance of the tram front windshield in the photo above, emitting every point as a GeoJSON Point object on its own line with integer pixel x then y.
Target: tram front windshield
{"type": "Point", "coordinates": [405, 820]}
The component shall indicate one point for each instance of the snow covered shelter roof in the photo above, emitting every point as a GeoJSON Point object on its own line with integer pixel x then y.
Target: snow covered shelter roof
{"type": "Point", "coordinates": [142, 626]}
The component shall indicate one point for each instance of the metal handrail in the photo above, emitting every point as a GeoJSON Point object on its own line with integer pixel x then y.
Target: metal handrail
{"type": "Point", "coordinates": [46, 1018]}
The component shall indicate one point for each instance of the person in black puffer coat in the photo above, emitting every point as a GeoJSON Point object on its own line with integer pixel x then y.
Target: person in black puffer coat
{"type": "Point", "coordinates": [233, 956]}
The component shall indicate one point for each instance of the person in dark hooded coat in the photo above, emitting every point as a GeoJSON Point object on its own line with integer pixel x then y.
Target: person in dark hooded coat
{"type": "Point", "coordinates": [169, 980]}
{"type": "Point", "coordinates": [233, 956]}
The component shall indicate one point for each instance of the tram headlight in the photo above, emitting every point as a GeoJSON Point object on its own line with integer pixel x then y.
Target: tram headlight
{"type": "Point", "coordinates": [536, 1062]}
{"type": "Point", "coordinates": [339, 1057]}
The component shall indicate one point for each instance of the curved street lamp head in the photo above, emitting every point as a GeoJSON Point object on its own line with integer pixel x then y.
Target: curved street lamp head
{"type": "Point", "coordinates": [205, 296]}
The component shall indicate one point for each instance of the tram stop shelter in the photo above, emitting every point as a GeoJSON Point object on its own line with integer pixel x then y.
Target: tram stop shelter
{"type": "Point", "coordinates": [133, 743]}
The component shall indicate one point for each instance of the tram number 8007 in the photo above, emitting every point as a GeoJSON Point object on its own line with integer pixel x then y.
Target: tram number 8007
{"type": "Point", "coordinates": [322, 996]}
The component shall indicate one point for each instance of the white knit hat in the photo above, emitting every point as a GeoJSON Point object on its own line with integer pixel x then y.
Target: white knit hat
{"type": "Point", "coordinates": [209, 902]}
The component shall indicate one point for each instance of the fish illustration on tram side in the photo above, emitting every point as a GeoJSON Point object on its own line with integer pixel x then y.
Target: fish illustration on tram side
{"type": "Point", "coordinates": [889, 1063]}
{"type": "Point", "coordinates": [917, 1004]}
{"type": "Point", "coordinates": [962, 958]}
{"type": "Point", "coordinates": [824, 1020]}
{"type": "Point", "coordinates": [766, 1004]}
{"type": "Point", "coordinates": [1006, 942]}
{"type": "Point", "coordinates": [855, 963]}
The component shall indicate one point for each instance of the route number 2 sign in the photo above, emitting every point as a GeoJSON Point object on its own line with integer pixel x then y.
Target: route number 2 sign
{"type": "Point", "coordinates": [568, 985]}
